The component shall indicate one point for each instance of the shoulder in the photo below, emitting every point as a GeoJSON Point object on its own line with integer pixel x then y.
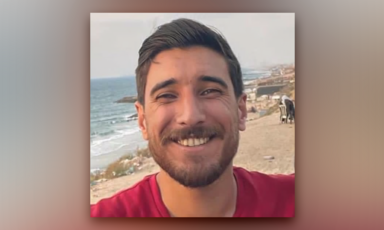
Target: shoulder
{"type": "Point", "coordinates": [271, 195]}
{"type": "Point", "coordinates": [272, 183]}
{"type": "Point", "coordinates": [126, 203]}
{"type": "Point", "coordinates": [261, 177]}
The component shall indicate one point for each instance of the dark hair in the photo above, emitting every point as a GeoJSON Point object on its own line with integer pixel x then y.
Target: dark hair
{"type": "Point", "coordinates": [183, 33]}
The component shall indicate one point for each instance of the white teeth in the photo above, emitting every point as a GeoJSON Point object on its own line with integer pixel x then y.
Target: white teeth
{"type": "Point", "coordinates": [197, 141]}
{"type": "Point", "coordinates": [185, 142]}
{"type": "Point", "coordinates": [193, 141]}
{"type": "Point", "coordinates": [190, 142]}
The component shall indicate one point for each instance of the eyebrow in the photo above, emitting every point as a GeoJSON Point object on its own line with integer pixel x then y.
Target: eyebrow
{"type": "Point", "coordinates": [214, 79]}
{"type": "Point", "coordinates": [163, 84]}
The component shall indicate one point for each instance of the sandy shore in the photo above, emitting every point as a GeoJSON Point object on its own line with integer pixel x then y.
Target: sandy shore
{"type": "Point", "coordinates": [263, 137]}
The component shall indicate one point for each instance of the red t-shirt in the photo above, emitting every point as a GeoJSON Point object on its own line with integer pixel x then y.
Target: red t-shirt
{"type": "Point", "coordinates": [259, 195]}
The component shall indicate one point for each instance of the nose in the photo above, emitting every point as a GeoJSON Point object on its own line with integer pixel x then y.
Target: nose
{"type": "Point", "coordinates": [190, 111]}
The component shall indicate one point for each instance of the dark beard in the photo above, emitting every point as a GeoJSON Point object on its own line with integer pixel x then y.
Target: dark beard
{"type": "Point", "coordinates": [198, 174]}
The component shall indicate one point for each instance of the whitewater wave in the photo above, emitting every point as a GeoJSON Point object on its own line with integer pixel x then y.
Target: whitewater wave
{"type": "Point", "coordinates": [108, 144]}
{"type": "Point", "coordinates": [116, 118]}
{"type": "Point", "coordinates": [102, 133]}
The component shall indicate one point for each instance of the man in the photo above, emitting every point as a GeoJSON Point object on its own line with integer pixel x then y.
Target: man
{"type": "Point", "coordinates": [191, 107]}
{"type": "Point", "coordinates": [289, 106]}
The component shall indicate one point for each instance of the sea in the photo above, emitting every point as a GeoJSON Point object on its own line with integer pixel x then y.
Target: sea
{"type": "Point", "coordinates": [113, 134]}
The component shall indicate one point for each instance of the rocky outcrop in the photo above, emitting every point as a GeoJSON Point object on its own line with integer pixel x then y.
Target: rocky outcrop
{"type": "Point", "coordinates": [129, 99]}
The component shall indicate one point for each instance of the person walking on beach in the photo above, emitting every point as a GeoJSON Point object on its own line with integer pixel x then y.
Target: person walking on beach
{"type": "Point", "coordinates": [191, 108]}
{"type": "Point", "coordinates": [289, 107]}
{"type": "Point", "coordinates": [284, 98]}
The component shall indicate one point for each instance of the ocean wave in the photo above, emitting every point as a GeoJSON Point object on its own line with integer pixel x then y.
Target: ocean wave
{"type": "Point", "coordinates": [102, 133]}
{"type": "Point", "coordinates": [106, 149]}
{"type": "Point", "coordinates": [107, 144]}
{"type": "Point", "coordinates": [115, 118]}
{"type": "Point", "coordinates": [108, 118]}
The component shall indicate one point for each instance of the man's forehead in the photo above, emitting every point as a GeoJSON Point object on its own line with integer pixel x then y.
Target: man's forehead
{"type": "Point", "coordinates": [187, 64]}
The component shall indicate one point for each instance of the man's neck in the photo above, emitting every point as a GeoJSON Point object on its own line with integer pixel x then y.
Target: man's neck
{"type": "Point", "coordinates": [216, 200]}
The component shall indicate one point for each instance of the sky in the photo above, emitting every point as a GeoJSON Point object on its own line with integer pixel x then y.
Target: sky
{"type": "Point", "coordinates": [257, 39]}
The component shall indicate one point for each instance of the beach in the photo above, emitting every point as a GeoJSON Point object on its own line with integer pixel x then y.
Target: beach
{"type": "Point", "coordinates": [266, 146]}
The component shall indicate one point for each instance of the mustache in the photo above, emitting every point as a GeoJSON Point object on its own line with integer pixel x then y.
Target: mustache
{"type": "Point", "coordinates": [192, 131]}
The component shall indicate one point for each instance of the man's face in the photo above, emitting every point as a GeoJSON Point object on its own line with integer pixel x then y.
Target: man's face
{"type": "Point", "coordinates": [191, 116]}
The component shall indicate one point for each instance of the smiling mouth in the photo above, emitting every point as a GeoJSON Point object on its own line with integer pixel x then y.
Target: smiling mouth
{"type": "Point", "coordinates": [192, 141]}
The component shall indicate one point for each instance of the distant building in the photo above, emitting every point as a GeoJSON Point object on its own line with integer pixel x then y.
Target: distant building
{"type": "Point", "coordinates": [251, 96]}
{"type": "Point", "coordinates": [247, 91]}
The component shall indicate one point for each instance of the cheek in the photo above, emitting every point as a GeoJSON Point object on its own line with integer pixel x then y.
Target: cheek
{"type": "Point", "coordinates": [220, 111]}
{"type": "Point", "coordinates": [158, 120]}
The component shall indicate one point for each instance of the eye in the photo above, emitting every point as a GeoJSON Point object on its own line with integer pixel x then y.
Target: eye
{"type": "Point", "coordinates": [210, 91]}
{"type": "Point", "coordinates": [165, 96]}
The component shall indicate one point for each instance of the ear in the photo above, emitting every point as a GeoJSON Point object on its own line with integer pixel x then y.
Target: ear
{"type": "Point", "coordinates": [242, 110]}
{"type": "Point", "coordinates": [141, 119]}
